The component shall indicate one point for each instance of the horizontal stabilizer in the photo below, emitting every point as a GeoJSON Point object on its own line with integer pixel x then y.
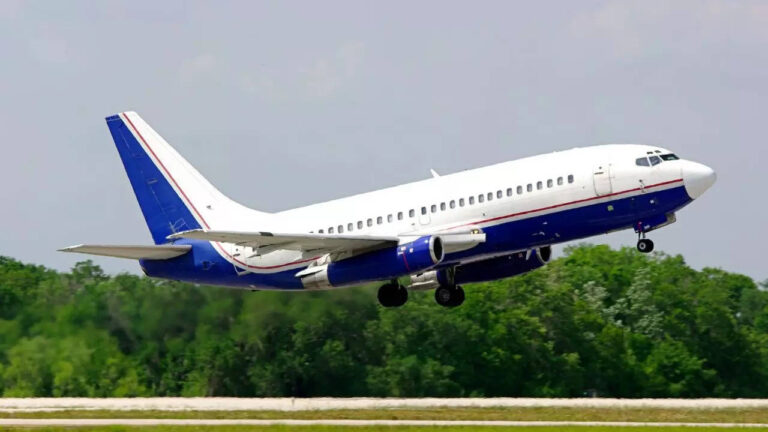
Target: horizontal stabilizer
{"type": "Point", "coordinates": [158, 252]}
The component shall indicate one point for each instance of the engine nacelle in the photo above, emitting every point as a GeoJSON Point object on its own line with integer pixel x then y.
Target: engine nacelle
{"type": "Point", "coordinates": [480, 271]}
{"type": "Point", "coordinates": [502, 267]}
{"type": "Point", "coordinates": [382, 264]}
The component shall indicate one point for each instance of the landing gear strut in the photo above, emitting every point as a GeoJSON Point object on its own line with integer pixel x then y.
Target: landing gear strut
{"type": "Point", "coordinates": [449, 296]}
{"type": "Point", "coordinates": [392, 294]}
{"type": "Point", "coordinates": [644, 245]}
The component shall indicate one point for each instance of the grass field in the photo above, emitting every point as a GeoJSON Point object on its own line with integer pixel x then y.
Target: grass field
{"type": "Point", "coordinates": [728, 415]}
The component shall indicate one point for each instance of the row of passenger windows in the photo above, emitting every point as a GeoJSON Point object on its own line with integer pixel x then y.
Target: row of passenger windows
{"type": "Point", "coordinates": [452, 204]}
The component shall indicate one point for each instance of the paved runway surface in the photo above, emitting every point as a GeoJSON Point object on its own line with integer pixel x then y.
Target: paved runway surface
{"type": "Point", "coordinates": [290, 404]}
{"type": "Point", "coordinates": [198, 422]}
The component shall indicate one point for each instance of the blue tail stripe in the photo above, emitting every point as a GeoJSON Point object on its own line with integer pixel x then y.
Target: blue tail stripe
{"type": "Point", "coordinates": [163, 209]}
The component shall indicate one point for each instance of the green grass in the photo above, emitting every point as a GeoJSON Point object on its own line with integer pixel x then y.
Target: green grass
{"type": "Point", "coordinates": [520, 414]}
{"type": "Point", "coordinates": [362, 429]}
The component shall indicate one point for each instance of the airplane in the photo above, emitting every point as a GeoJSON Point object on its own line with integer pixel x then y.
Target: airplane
{"type": "Point", "coordinates": [440, 233]}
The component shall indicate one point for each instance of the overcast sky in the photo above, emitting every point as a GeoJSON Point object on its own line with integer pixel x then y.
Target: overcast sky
{"type": "Point", "coordinates": [283, 104]}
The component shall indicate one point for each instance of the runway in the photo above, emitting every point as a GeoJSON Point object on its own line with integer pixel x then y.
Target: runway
{"type": "Point", "coordinates": [288, 422]}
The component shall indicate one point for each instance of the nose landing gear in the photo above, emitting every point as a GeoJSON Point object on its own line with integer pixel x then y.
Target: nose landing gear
{"type": "Point", "coordinates": [644, 245]}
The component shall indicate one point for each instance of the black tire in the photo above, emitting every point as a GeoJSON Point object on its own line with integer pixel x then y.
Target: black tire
{"type": "Point", "coordinates": [444, 295]}
{"type": "Point", "coordinates": [645, 245]}
{"type": "Point", "coordinates": [392, 295]}
{"type": "Point", "coordinates": [385, 295]}
{"type": "Point", "coordinates": [449, 296]}
{"type": "Point", "coordinates": [458, 297]}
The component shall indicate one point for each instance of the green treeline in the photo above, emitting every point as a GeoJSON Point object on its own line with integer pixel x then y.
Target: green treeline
{"type": "Point", "coordinates": [598, 320]}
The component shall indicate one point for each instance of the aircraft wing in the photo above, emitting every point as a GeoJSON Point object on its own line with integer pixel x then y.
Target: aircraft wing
{"type": "Point", "coordinates": [130, 251]}
{"type": "Point", "coordinates": [263, 240]}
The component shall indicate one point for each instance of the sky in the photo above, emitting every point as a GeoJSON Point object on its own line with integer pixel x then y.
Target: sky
{"type": "Point", "coordinates": [283, 104]}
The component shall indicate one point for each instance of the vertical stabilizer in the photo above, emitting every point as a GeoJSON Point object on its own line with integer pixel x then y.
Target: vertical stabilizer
{"type": "Point", "coordinates": [172, 194]}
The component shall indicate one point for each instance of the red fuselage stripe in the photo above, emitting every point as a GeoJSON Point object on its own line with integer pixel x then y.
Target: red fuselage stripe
{"type": "Point", "coordinates": [561, 205]}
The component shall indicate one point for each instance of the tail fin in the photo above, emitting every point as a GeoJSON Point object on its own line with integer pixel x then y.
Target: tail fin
{"type": "Point", "coordinates": [173, 195]}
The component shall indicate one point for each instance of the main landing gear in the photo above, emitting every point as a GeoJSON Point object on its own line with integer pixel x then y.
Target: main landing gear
{"type": "Point", "coordinates": [644, 245]}
{"type": "Point", "coordinates": [449, 296]}
{"type": "Point", "coordinates": [392, 294]}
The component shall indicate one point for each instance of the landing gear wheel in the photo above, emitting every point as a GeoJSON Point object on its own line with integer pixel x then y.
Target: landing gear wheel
{"type": "Point", "coordinates": [392, 295]}
{"type": "Point", "coordinates": [645, 245]}
{"type": "Point", "coordinates": [449, 296]}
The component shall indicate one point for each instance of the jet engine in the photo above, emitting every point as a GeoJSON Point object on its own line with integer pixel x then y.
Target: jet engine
{"type": "Point", "coordinates": [485, 270]}
{"type": "Point", "coordinates": [382, 264]}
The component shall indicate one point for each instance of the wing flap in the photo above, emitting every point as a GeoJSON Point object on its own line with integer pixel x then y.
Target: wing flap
{"type": "Point", "coordinates": [158, 252]}
{"type": "Point", "coordinates": [300, 242]}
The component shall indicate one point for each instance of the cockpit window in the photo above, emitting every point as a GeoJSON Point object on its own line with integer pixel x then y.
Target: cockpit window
{"type": "Point", "coordinates": [643, 161]}
{"type": "Point", "coordinates": [655, 160]}
{"type": "Point", "coordinates": [669, 157]}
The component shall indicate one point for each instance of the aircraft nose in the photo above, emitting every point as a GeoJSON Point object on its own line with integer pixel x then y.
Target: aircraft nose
{"type": "Point", "coordinates": [697, 178]}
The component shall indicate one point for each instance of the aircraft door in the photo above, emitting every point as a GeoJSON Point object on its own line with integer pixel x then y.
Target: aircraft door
{"type": "Point", "coordinates": [602, 179]}
{"type": "Point", "coordinates": [424, 216]}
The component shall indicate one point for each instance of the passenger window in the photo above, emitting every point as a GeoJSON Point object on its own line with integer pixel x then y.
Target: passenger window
{"type": "Point", "coordinates": [369, 222]}
{"type": "Point", "coordinates": [655, 160]}
{"type": "Point", "coordinates": [399, 215]}
{"type": "Point", "coordinates": [452, 204]}
{"type": "Point", "coordinates": [480, 198]}
{"type": "Point", "coordinates": [359, 224]}
{"type": "Point", "coordinates": [330, 230]}
{"type": "Point", "coordinates": [411, 213]}
{"type": "Point", "coordinates": [570, 178]}
{"type": "Point", "coordinates": [341, 229]}
{"type": "Point", "coordinates": [320, 231]}
{"type": "Point", "coordinates": [389, 218]}
{"type": "Point", "coordinates": [499, 194]}
{"type": "Point", "coordinates": [539, 185]}
{"type": "Point", "coordinates": [379, 220]}
{"type": "Point", "coordinates": [549, 183]}
{"type": "Point", "coordinates": [559, 181]}
{"type": "Point", "coordinates": [529, 188]}
{"type": "Point", "coordinates": [519, 190]}
{"type": "Point", "coordinates": [442, 206]}
{"type": "Point", "coordinates": [349, 226]}
{"type": "Point", "coordinates": [423, 210]}
{"type": "Point", "coordinates": [643, 161]}
{"type": "Point", "coordinates": [509, 192]}
{"type": "Point", "coordinates": [490, 196]}
{"type": "Point", "coordinates": [433, 207]}
{"type": "Point", "coordinates": [471, 200]}
{"type": "Point", "coordinates": [461, 202]}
